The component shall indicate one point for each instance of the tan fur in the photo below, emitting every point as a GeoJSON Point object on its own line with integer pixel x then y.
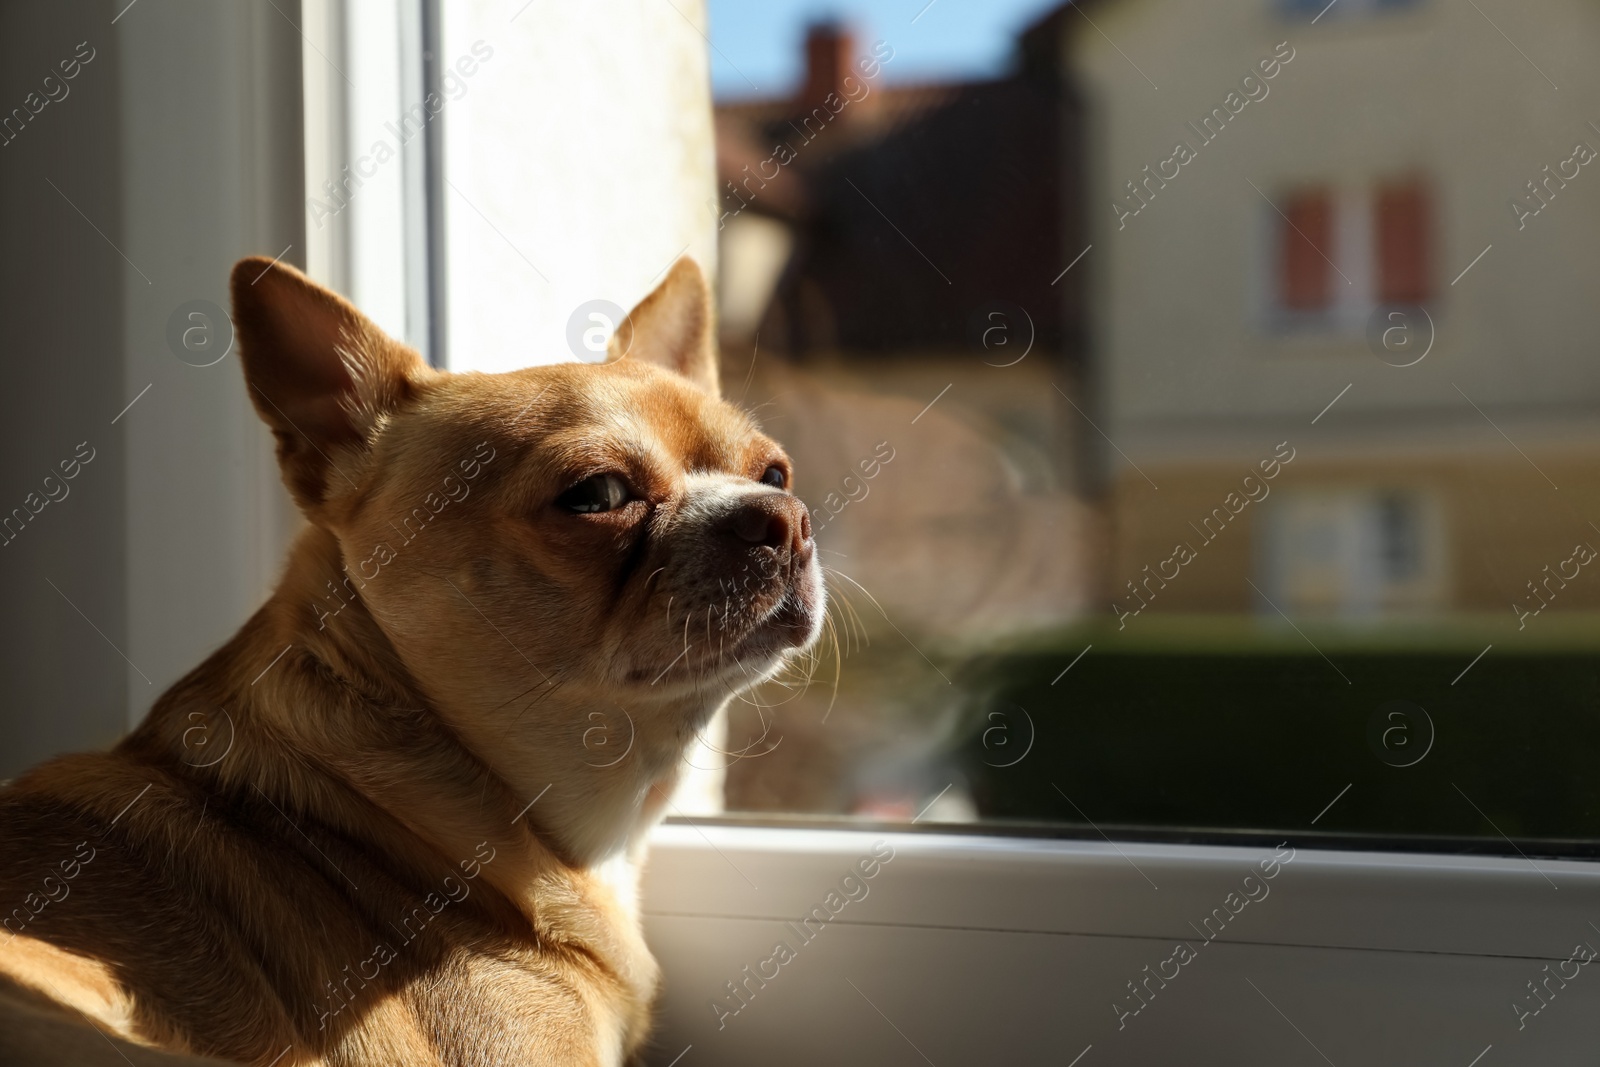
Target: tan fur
{"type": "Point", "coordinates": [33, 1030]}
{"type": "Point", "coordinates": [373, 828]}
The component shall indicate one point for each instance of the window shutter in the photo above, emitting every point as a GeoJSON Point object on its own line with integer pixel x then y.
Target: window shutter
{"type": "Point", "coordinates": [1402, 217]}
{"type": "Point", "coordinates": [1305, 239]}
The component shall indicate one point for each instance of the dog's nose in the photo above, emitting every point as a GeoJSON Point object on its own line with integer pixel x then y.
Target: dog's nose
{"type": "Point", "coordinates": [776, 520]}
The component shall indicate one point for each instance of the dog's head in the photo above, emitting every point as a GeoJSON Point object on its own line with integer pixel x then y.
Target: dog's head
{"type": "Point", "coordinates": [547, 543]}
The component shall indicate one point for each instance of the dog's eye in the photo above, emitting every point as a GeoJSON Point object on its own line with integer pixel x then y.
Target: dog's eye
{"type": "Point", "coordinates": [774, 477]}
{"type": "Point", "coordinates": [603, 492]}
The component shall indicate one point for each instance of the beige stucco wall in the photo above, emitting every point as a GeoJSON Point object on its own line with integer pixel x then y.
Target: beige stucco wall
{"type": "Point", "coordinates": [1188, 368]}
{"type": "Point", "coordinates": [1501, 525]}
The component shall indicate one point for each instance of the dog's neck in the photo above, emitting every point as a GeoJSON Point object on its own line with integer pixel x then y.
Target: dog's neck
{"type": "Point", "coordinates": [358, 723]}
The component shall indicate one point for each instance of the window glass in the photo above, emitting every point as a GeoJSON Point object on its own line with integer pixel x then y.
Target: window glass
{"type": "Point", "coordinates": [1196, 404]}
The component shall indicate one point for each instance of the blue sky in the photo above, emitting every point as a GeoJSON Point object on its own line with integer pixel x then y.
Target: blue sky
{"type": "Point", "coordinates": [759, 41]}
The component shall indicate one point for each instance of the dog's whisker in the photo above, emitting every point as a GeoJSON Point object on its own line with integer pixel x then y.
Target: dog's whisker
{"type": "Point", "coordinates": [838, 669]}
{"type": "Point", "coordinates": [834, 617]}
{"type": "Point", "coordinates": [517, 697]}
{"type": "Point", "coordinates": [652, 578]}
{"type": "Point", "coordinates": [858, 625]}
{"type": "Point", "coordinates": [549, 691]}
{"type": "Point", "coordinates": [735, 755]}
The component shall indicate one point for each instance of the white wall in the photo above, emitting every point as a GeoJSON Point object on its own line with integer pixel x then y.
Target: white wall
{"type": "Point", "coordinates": [212, 145]}
{"type": "Point", "coordinates": [582, 163]}
{"type": "Point", "coordinates": [61, 288]}
{"type": "Point", "coordinates": [176, 151]}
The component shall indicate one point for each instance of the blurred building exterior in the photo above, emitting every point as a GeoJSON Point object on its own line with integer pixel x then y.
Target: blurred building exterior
{"type": "Point", "coordinates": [1235, 291]}
{"type": "Point", "coordinates": [885, 247]}
{"type": "Point", "coordinates": [1304, 336]}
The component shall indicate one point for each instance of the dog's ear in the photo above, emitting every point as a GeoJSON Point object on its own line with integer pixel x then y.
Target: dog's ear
{"type": "Point", "coordinates": [321, 375]}
{"type": "Point", "coordinates": [674, 327]}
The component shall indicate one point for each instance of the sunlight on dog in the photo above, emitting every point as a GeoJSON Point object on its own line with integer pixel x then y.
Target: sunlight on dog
{"type": "Point", "coordinates": [369, 829]}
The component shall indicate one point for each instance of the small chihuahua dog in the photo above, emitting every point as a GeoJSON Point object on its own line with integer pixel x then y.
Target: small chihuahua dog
{"type": "Point", "coordinates": [370, 829]}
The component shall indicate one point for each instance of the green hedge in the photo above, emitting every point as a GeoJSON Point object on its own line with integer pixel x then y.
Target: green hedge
{"type": "Point", "coordinates": [1266, 740]}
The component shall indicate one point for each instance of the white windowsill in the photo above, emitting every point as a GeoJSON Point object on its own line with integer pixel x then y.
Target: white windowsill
{"type": "Point", "coordinates": [1005, 950]}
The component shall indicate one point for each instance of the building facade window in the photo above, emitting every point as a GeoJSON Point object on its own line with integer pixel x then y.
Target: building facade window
{"type": "Point", "coordinates": [1352, 554]}
{"type": "Point", "coordinates": [1339, 252]}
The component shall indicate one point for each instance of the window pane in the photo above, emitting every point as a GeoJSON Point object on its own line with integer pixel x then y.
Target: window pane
{"type": "Point", "coordinates": [1176, 453]}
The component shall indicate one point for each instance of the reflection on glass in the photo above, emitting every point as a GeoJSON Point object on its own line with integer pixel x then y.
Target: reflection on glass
{"type": "Point", "coordinates": [1160, 439]}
